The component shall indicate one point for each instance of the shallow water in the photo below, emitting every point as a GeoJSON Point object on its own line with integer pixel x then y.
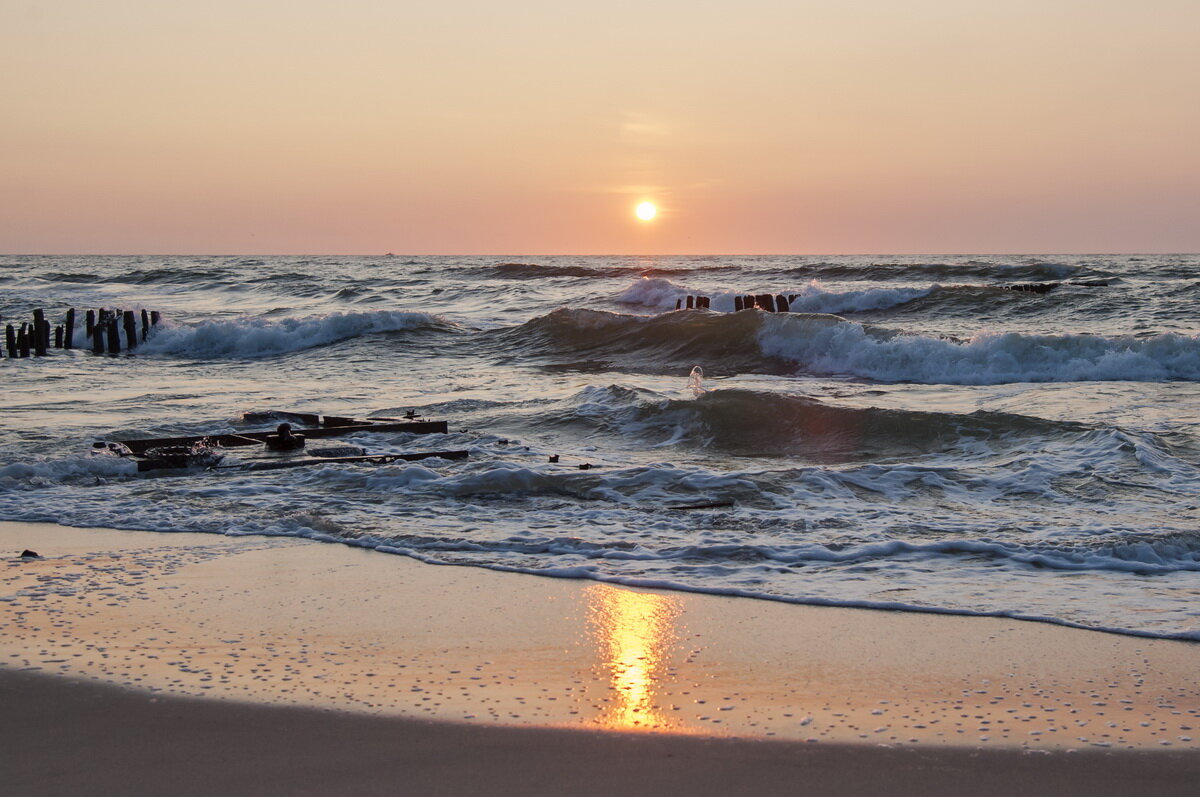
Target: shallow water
{"type": "Point", "coordinates": [914, 435]}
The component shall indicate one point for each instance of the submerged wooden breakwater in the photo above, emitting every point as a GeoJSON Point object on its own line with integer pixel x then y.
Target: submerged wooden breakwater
{"type": "Point", "coordinates": [771, 302]}
{"type": "Point", "coordinates": [780, 303]}
{"type": "Point", "coordinates": [103, 332]}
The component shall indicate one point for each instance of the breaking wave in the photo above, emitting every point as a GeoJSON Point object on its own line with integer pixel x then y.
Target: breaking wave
{"type": "Point", "coordinates": [955, 300]}
{"type": "Point", "coordinates": [662, 294]}
{"type": "Point", "coordinates": [1034, 270]}
{"type": "Point", "coordinates": [744, 422]}
{"type": "Point", "coordinates": [757, 342]}
{"type": "Point", "coordinates": [988, 359]}
{"type": "Point", "coordinates": [260, 337]}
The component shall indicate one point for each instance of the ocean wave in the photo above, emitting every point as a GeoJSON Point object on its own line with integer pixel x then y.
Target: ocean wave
{"type": "Point", "coordinates": [1033, 270]}
{"type": "Point", "coordinates": [45, 473]}
{"type": "Point", "coordinates": [854, 349]}
{"type": "Point", "coordinates": [597, 339]}
{"type": "Point", "coordinates": [829, 345]}
{"type": "Point", "coordinates": [175, 276]}
{"type": "Point", "coordinates": [744, 422]}
{"type": "Point", "coordinates": [539, 271]}
{"type": "Point", "coordinates": [654, 292]}
{"type": "Point", "coordinates": [956, 300]}
{"type": "Point", "coordinates": [1142, 556]}
{"type": "Point", "coordinates": [543, 271]}
{"type": "Point", "coordinates": [259, 337]}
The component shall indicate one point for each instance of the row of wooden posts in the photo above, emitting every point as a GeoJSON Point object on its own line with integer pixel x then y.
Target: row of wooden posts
{"type": "Point", "coordinates": [778, 303]}
{"type": "Point", "coordinates": [103, 329]}
{"type": "Point", "coordinates": [772, 303]}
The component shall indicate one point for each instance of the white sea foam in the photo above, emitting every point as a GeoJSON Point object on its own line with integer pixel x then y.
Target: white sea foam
{"type": "Point", "coordinates": [987, 359]}
{"type": "Point", "coordinates": [813, 297]}
{"type": "Point", "coordinates": [652, 292]}
{"type": "Point", "coordinates": [39, 474]}
{"type": "Point", "coordinates": [262, 337]}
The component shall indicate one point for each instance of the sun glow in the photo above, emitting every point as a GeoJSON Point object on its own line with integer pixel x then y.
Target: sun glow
{"type": "Point", "coordinates": [646, 211]}
{"type": "Point", "coordinates": [636, 635]}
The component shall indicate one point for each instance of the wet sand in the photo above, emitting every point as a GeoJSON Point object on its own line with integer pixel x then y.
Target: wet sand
{"type": "Point", "coordinates": [384, 668]}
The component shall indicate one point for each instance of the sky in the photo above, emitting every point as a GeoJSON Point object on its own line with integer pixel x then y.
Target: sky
{"type": "Point", "coordinates": [472, 127]}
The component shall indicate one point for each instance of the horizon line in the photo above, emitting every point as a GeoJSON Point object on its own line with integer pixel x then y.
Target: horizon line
{"type": "Point", "coordinates": [568, 254]}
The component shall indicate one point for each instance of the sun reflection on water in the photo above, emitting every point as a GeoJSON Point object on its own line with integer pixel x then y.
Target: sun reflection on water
{"type": "Point", "coordinates": [634, 633]}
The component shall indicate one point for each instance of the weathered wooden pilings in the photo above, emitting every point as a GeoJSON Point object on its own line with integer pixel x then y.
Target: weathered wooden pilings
{"type": "Point", "coordinates": [771, 303]}
{"type": "Point", "coordinates": [97, 335]}
{"type": "Point", "coordinates": [131, 338]}
{"type": "Point", "coordinates": [39, 334]}
{"type": "Point", "coordinates": [114, 335]}
{"type": "Point", "coordinates": [103, 328]}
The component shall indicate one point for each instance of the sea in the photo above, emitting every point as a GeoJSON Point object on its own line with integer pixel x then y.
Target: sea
{"type": "Point", "coordinates": [913, 434]}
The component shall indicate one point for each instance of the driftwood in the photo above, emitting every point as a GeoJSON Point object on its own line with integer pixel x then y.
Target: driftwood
{"type": "Point", "coordinates": [367, 459]}
{"type": "Point", "coordinates": [715, 504]}
{"type": "Point", "coordinates": [236, 439]}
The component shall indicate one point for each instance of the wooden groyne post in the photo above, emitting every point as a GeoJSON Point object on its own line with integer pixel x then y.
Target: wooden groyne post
{"type": "Point", "coordinates": [103, 328]}
{"type": "Point", "coordinates": [771, 303]}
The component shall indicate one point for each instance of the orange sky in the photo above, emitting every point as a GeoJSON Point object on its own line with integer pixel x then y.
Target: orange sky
{"type": "Point", "coordinates": [806, 126]}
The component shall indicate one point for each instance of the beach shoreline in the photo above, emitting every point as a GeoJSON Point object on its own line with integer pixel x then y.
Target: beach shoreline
{"type": "Point", "coordinates": [66, 736]}
{"type": "Point", "coordinates": [191, 639]}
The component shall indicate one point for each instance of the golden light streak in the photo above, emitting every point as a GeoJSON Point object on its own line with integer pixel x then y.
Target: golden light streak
{"type": "Point", "coordinates": [635, 633]}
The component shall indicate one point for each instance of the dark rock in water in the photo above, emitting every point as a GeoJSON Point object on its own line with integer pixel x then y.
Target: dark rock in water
{"type": "Point", "coordinates": [28, 554]}
{"type": "Point", "coordinates": [554, 457]}
{"type": "Point", "coordinates": [586, 466]}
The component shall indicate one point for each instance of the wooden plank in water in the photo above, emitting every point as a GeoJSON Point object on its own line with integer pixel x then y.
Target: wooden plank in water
{"type": "Point", "coordinates": [367, 459]}
{"type": "Point", "coordinates": [334, 420]}
{"type": "Point", "coordinates": [233, 440]}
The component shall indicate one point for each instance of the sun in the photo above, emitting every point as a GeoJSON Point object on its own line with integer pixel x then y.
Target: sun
{"type": "Point", "coordinates": [646, 211]}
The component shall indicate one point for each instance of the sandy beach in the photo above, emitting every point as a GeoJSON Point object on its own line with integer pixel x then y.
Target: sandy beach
{"type": "Point", "coordinates": [245, 665]}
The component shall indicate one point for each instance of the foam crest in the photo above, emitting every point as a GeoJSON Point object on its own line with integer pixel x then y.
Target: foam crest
{"type": "Point", "coordinates": [46, 473]}
{"type": "Point", "coordinates": [261, 337]}
{"type": "Point", "coordinates": [986, 359]}
{"type": "Point", "coordinates": [814, 298]}
{"type": "Point", "coordinates": [732, 420]}
{"type": "Point", "coordinates": [656, 292]}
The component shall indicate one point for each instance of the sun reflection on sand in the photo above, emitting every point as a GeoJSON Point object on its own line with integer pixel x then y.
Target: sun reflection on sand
{"type": "Point", "coordinates": [635, 633]}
